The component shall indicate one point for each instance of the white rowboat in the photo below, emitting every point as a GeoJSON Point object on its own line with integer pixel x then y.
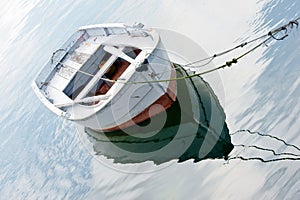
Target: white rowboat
{"type": "Point", "coordinates": [90, 79]}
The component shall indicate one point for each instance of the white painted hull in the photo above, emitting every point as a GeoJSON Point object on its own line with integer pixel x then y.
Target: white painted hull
{"type": "Point", "coordinates": [64, 85]}
{"type": "Point", "coordinates": [125, 105]}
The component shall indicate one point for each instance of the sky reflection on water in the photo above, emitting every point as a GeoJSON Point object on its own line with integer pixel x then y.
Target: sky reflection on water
{"type": "Point", "coordinates": [42, 157]}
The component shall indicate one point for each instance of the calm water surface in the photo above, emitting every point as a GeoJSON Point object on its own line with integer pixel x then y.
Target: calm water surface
{"type": "Point", "coordinates": [43, 156]}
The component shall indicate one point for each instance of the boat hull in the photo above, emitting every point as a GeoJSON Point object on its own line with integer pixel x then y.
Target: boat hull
{"type": "Point", "coordinates": [127, 108]}
{"type": "Point", "coordinates": [160, 105]}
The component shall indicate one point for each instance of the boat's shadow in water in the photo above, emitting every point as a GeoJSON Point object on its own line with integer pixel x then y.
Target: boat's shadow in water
{"type": "Point", "coordinates": [193, 128]}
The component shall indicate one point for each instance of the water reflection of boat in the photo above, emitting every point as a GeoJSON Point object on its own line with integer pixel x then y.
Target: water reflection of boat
{"type": "Point", "coordinates": [192, 128]}
{"type": "Point", "coordinates": [82, 82]}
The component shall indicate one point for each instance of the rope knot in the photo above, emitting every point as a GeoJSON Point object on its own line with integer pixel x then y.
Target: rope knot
{"type": "Point", "coordinates": [294, 23]}
{"type": "Point", "coordinates": [244, 44]}
{"type": "Point", "coordinates": [233, 61]}
{"type": "Point", "coordinates": [282, 38]}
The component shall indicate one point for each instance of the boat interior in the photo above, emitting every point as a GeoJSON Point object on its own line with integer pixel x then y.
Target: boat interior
{"type": "Point", "coordinates": [89, 80]}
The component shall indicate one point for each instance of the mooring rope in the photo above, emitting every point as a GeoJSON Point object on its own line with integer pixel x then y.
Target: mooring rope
{"type": "Point", "coordinates": [211, 58]}
{"type": "Point", "coordinates": [267, 149]}
{"type": "Point", "coordinates": [270, 35]}
{"type": "Point", "coordinates": [261, 159]}
{"type": "Point", "coordinates": [295, 157]}
{"type": "Point", "coordinates": [266, 135]}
